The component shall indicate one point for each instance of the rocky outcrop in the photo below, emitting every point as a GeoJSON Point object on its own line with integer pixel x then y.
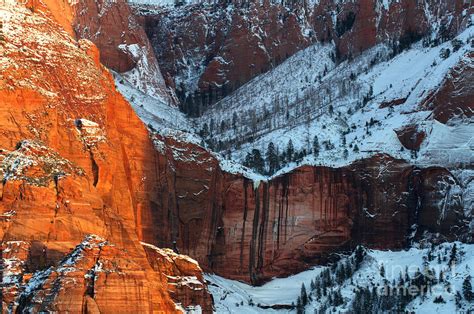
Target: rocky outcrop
{"type": "Point", "coordinates": [97, 276]}
{"type": "Point", "coordinates": [75, 160]}
{"type": "Point", "coordinates": [123, 44]}
{"type": "Point", "coordinates": [411, 137]}
{"type": "Point", "coordinates": [455, 97]}
{"type": "Point", "coordinates": [211, 49]}
{"type": "Point", "coordinates": [254, 231]}
{"type": "Point", "coordinates": [183, 277]}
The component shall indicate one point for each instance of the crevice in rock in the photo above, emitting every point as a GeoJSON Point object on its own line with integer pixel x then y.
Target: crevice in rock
{"type": "Point", "coordinates": [56, 183]}
{"type": "Point", "coordinates": [4, 181]}
{"type": "Point", "coordinates": [91, 278]}
{"type": "Point", "coordinates": [263, 227]}
{"type": "Point", "coordinates": [253, 243]}
{"type": "Point", "coordinates": [95, 169]}
{"type": "Point", "coordinates": [242, 239]}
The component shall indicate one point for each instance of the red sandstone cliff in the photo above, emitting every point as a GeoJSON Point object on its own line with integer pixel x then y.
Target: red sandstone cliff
{"type": "Point", "coordinates": [454, 99]}
{"type": "Point", "coordinates": [75, 160]}
{"type": "Point", "coordinates": [213, 49]}
{"type": "Point", "coordinates": [123, 44]}
{"type": "Point", "coordinates": [252, 232]}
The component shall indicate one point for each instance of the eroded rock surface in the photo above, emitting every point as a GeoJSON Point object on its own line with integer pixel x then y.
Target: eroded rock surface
{"type": "Point", "coordinates": [75, 160]}
{"type": "Point", "coordinates": [254, 231]}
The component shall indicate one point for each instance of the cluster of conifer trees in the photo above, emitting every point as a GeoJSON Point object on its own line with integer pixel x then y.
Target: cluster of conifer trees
{"type": "Point", "coordinates": [387, 296]}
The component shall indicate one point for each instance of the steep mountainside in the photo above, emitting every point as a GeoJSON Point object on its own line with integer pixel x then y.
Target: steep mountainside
{"type": "Point", "coordinates": [123, 44]}
{"type": "Point", "coordinates": [210, 49]}
{"type": "Point", "coordinates": [370, 102]}
{"type": "Point", "coordinates": [376, 97]}
{"type": "Point", "coordinates": [74, 162]}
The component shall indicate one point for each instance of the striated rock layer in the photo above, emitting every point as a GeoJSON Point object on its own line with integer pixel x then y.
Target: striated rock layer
{"type": "Point", "coordinates": [254, 231]}
{"type": "Point", "coordinates": [75, 162]}
{"type": "Point", "coordinates": [87, 197]}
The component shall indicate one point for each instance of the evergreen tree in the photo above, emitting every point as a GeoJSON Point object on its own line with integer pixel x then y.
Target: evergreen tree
{"type": "Point", "coordinates": [248, 162]}
{"type": "Point", "coordinates": [331, 109]}
{"type": "Point", "coordinates": [382, 271]}
{"type": "Point", "coordinates": [255, 161]}
{"type": "Point", "coordinates": [348, 269]}
{"type": "Point", "coordinates": [467, 289]}
{"type": "Point", "coordinates": [458, 299]}
{"type": "Point", "coordinates": [407, 275]}
{"type": "Point", "coordinates": [345, 153]}
{"type": "Point", "coordinates": [299, 306]}
{"type": "Point", "coordinates": [204, 131]}
{"type": "Point", "coordinates": [304, 295]}
{"type": "Point", "coordinates": [316, 146]}
{"type": "Point", "coordinates": [318, 292]}
{"type": "Point", "coordinates": [338, 298]}
{"type": "Point", "coordinates": [234, 120]}
{"type": "Point", "coordinates": [272, 158]}
{"type": "Point", "coordinates": [290, 151]}
{"type": "Point", "coordinates": [452, 255]}
{"type": "Point", "coordinates": [359, 256]}
{"type": "Point", "coordinates": [258, 162]}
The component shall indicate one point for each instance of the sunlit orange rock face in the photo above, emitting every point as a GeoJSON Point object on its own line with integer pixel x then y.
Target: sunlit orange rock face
{"type": "Point", "coordinates": [253, 232]}
{"type": "Point", "coordinates": [87, 197]}
{"type": "Point", "coordinates": [122, 42]}
{"type": "Point", "coordinates": [75, 162]}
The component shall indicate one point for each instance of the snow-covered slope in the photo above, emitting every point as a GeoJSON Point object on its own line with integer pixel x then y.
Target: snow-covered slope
{"type": "Point", "coordinates": [443, 275]}
{"type": "Point", "coordinates": [342, 105]}
{"type": "Point", "coordinates": [308, 96]}
{"type": "Point", "coordinates": [156, 114]}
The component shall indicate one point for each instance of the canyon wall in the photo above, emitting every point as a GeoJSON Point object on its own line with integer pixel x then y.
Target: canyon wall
{"type": "Point", "coordinates": [88, 197]}
{"type": "Point", "coordinates": [123, 44]}
{"type": "Point", "coordinates": [75, 160]}
{"type": "Point", "coordinates": [207, 50]}
{"type": "Point", "coordinates": [254, 231]}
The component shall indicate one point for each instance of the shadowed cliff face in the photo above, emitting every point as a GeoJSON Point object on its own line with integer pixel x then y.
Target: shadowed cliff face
{"type": "Point", "coordinates": [254, 231]}
{"type": "Point", "coordinates": [206, 51]}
